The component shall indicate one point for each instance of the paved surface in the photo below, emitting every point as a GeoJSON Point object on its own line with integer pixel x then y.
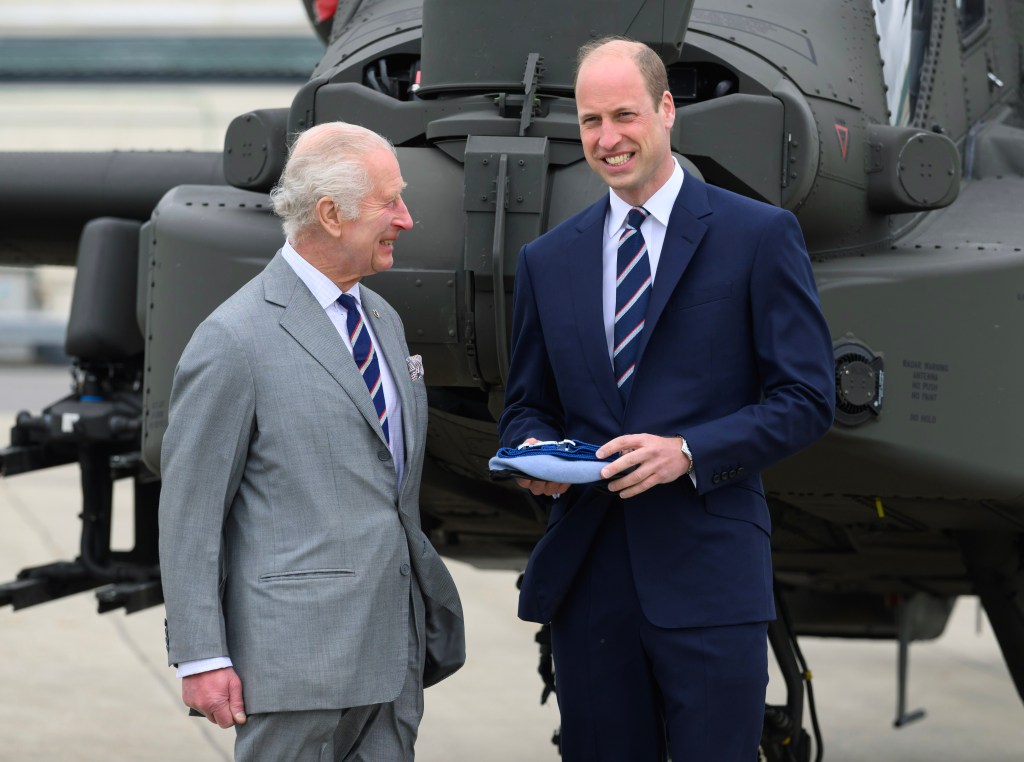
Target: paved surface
{"type": "Point", "coordinates": [81, 687]}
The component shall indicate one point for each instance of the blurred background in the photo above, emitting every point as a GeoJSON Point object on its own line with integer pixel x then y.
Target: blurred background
{"type": "Point", "coordinates": [81, 75]}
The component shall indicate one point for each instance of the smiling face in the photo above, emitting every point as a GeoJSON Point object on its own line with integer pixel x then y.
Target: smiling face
{"type": "Point", "coordinates": [625, 134]}
{"type": "Point", "coordinates": [366, 245]}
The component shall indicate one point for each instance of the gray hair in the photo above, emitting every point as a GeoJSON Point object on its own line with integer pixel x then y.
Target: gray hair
{"type": "Point", "coordinates": [325, 161]}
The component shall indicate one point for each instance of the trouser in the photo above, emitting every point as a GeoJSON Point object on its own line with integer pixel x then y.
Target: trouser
{"type": "Point", "coordinates": [628, 690]}
{"type": "Point", "coordinates": [375, 733]}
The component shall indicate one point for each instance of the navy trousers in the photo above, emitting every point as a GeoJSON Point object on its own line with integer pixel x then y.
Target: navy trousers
{"type": "Point", "coordinates": [630, 691]}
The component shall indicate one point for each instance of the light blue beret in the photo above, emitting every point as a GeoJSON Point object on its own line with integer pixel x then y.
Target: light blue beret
{"type": "Point", "coordinates": [567, 461]}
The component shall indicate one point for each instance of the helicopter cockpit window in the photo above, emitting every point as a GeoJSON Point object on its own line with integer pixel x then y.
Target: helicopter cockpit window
{"type": "Point", "coordinates": [904, 27]}
{"type": "Point", "coordinates": [972, 13]}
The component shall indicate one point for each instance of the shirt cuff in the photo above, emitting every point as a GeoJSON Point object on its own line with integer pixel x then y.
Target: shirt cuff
{"type": "Point", "coordinates": [187, 668]}
{"type": "Point", "coordinates": [692, 473]}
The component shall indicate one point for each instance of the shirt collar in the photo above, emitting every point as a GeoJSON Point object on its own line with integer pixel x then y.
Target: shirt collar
{"type": "Point", "coordinates": [324, 290]}
{"type": "Point", "coordinates": [659, 205]}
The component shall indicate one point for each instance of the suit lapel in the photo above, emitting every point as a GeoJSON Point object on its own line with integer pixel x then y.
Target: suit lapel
{"type": "Point", "coordinates": [305, 320]}
{"type": "Point", "coordinates": [683, 236]}
{"type": "Point", "coordinates": [584, 269]}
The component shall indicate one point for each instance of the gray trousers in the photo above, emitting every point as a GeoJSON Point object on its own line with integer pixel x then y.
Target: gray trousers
{"type": "Point", "coordinates": [375, 733]}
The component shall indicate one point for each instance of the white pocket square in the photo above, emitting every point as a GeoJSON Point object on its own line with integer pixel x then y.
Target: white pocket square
{"type": "Point", "coordinates": [415, 363]}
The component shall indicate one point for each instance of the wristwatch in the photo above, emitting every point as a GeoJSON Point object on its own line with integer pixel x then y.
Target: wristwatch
{"type": "Point", "coordinates": [686, 451]}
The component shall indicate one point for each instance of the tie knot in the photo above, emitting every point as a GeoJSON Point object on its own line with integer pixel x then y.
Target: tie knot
{"type": "Point", "coordinates": [347, 301]}
{"type": "Point", "coordinates": [636, 217]}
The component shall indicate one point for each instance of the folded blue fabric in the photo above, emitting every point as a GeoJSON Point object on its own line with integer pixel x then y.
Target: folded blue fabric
{"type": "Point", "coordinates": [567, 461]}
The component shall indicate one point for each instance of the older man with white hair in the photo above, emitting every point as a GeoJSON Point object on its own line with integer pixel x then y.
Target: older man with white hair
{"type": "Point", "coordinates": [302, 596]}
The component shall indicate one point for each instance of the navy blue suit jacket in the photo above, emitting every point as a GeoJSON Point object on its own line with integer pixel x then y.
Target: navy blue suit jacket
{"type": "Point", "coordinates": [735, 356]}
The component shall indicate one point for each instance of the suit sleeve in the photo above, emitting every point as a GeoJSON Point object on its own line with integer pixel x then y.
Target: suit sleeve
{"type": "Point", "coordinates": [211, 420]}
{"type": "Point", "coordinates": [532, 404]}
{"type": "Point", "coordinates": [793, 357]}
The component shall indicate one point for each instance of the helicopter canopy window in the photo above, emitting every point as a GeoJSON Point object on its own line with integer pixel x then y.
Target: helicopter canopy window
{"type": "Point", "coordinates": [903, 28]}
{"type": "Point", "coordinates": [972, 13]}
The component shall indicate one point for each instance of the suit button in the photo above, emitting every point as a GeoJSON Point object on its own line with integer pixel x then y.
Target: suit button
{"type": "Point", "coordinates": [716, 479]}
{"type": "Point", "coordinates": [739, 470]}
{"type": "Point", "coordinates": [732, 474]}
{"type": "Point", "coordinates": [383, 455]}
{"type": "Point", "coordinates": [404, 569]}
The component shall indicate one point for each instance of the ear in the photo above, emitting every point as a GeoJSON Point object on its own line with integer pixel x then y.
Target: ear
{"type": "Point", "coordinates": [668, 107]}
{"type": "Point", "coordinates": [328, 216]}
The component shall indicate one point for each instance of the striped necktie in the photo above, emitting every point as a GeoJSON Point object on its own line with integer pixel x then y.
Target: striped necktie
{"type": "Point", "coordinates": [366, 359]}
{"type": "Point", "coordinates": [632, 293]}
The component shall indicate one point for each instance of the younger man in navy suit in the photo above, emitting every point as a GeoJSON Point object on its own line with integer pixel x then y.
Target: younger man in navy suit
{"type": "Point", "coordinates": [688, 314]}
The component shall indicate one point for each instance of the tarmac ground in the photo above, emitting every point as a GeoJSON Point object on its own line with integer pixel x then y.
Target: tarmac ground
{"type": "Point", "coordinates": [77, 686]}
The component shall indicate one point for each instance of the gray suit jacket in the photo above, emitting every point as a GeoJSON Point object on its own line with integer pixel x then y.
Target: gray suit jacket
{"type": "Point", "coordinates": [285, 542]}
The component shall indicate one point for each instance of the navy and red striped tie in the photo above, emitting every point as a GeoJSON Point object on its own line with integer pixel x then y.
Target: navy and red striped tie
{"type": "Point", "coordinates": [366, 359]}
{"type": "Point", "coordinates": [632, 293]}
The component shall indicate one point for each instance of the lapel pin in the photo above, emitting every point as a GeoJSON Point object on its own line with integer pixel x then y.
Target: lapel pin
{"type": "Point", "coordinates": [376, 314]}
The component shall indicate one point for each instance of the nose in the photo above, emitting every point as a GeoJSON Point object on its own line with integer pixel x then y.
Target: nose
{"type": "Point", "coordinates": [403, 219]}
{"type": "Point", "coordinates": [609, 136]}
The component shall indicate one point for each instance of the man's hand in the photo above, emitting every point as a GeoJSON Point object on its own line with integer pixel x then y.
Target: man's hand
{"type": "Point", "coordinates": [658, 460]}
{"type": "Point", "coordinates": [217, 694]}
{"type": "Point", "coordinates": [539, 487]}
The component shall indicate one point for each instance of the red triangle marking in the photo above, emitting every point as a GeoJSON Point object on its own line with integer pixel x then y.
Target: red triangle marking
{"type": "Point", "coordinates": [843, 133]}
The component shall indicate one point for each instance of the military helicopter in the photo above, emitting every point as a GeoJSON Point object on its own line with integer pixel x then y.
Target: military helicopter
{"type": "Point", "coordinates": [893, 130]}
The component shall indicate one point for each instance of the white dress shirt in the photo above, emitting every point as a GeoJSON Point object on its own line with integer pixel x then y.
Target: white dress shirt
{"type": "Point", "coordinates": [326, 293]}
{"type": "Point", "coordinates": [653, 230]}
